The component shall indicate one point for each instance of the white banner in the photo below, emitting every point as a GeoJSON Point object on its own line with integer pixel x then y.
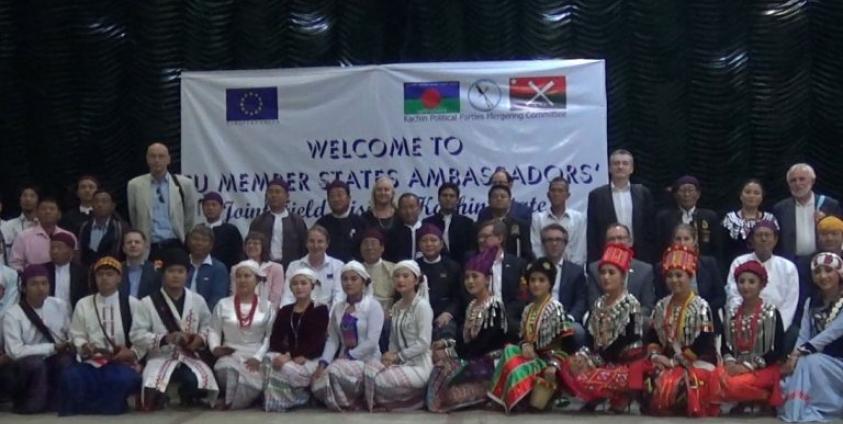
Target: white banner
{"type": "Point", "coordinates": [421, 124]}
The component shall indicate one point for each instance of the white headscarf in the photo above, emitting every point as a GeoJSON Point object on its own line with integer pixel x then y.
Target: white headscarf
{"type": "Point", "coordinates": [360, 270]}
{"type": "Point", "coordinates": [251, 265]}
{"type": "Point", "coordinates": [306, 273]}
{"type": "Point", "coordinates": [413, 267]}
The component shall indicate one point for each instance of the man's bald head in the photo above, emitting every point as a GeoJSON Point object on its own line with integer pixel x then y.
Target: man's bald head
{"type": "Point", "coordinates": [158, 159]}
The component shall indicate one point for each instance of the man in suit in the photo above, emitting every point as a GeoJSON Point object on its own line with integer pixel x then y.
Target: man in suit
{"type": "Point", "coordinates": [102, 234]}
{"type": "Point", "coordinates": [458, 231]}
{"type": "Point", "coordinates": [206, 275]}
{"type": "Point", "coordinates": [72, 219]}
{"type": "Point", "coordinates": [639, 282]}
{"type": "Point", "coordinates": [520, 211]}
{"type": "Point", "coordinates": [401, 240]}
{"type": "Point", "coordinates": [228, 242]}
{"type": "Point", "coordinates": [68, 280]}
{"type": "Point", "coordinates": [507, 272]}
{"type": "Point", "coordinates": [518, 231]}
{"type": "Point", "coordinates": [686, 192]}
{"type": "Point", "coordinates": [621, 202]}
{"type": "Point", "coordinates": [570, 287]}
{"type": "Point", "coordinates": [140, 277]}
{"type": "Point", "coordinates": [285, 230]}
{"type": "Point", "coordinates": [344, 226]}
{"type": "Point", "coordinates": [161, 204]}
{"type": "Point", "coordinates": [797, 215]}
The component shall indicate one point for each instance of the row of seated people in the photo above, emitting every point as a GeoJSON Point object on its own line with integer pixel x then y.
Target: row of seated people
{"type": "Point", "coordinates": [245, 350]}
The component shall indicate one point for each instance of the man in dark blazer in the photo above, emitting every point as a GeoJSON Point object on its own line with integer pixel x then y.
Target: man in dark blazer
{"type": "Point", "coordinates": [639, 280]}
{"type": "Point", "coordinates": [228, 242]}
{"type": "Point", "coordinates": [570, 286]}
{"type": "Point", "coordinates": [401, 241]}
{"type": "Point", "coordinates": [517, 231]}
{"type": "Point", "coordinates": [206, 275]}
{"type": "Point", "coordinates": [519, 210]}
{"type": "Point", "coordinates": [507, 272]}
{"type": "Point", "coordinates": [278, 223]}
{"type": "Point", "coordinates": [458, 230]}
{"type": "Point", "coordinates": [686, 192]}
{"type": "Point", "coordinates": [344, 226]}
{"type": "Point", "coordinates": [634, 208]}
{"type": "Point", "coordinates": [140, 277]}
{"type": "Point", "coordinates": [72, 219]}
{"type": "Point", "coordinates": [68, 280]}
{"type": "Point", "coordinates": [102, 234]}
{"type": "Point", "coordinates": [798, 214]}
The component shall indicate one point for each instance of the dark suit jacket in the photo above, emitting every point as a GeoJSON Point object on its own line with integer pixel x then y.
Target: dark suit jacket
{"type": "Point", "coordinates": [228, 245]}
{"type": "Point", "coordinates": [295, 234]}
{"type": "Point", "coordinates": [512, 269]}
{"type": "Point", "coordinates": [573, 291]}
{"type": "Point", "coordinates": [639, 284]}
{"type": "Point", "coordinates": [399, 243]}
{"type": "Point", "coordinates": [72, 220]}
{"type": "Point", "coordinates": [785, 212]}
{"type": "Point", "coordinates": [601, 213]}
{"type": "Point", "coordinates": [518, 236]}
{"type": "Point", "coordinates": [345, 235]}
{"type": "Point", "coordinates": [212, 283]}
{"type": "Point", "coordinates": [705, 221]}
{"type": "Point", "coordinates": [150, 280]}
{"type": "Point", "coordinates": [79, 283]}
{"type": "Point", "coordinates": [462, 235]}
{"type": "Point", "coordinates": [519, 210]}
{"type": "Point", "coordinates": [711, 286]}
{"type": "Point", "coordinates": [111, 243]}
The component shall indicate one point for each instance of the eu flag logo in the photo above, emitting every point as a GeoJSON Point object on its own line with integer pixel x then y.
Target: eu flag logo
{"type": "Point", "coordinates": [251, 104]}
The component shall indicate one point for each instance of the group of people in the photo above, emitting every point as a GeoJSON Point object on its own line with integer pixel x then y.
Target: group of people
{"type": "Point", "coordinates": [388, 311]}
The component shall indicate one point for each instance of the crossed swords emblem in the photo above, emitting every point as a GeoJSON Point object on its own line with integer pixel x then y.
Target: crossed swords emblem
{"type": "Point", "coordinates": [540, 95]}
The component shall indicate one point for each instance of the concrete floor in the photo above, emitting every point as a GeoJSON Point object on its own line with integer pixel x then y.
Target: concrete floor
{"type": "Point", "coordinates": [320, 416]}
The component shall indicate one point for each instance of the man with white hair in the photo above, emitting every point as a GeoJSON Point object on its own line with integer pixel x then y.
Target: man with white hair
{"type": "Point", "coordinates": [798, 214]}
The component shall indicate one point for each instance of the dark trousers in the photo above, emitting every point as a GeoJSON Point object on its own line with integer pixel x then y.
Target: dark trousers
{"type": "Point", "coordinates": [37, 380]}
{"type": "Point", "coordinates": [7, 381]}
{"type": "Point", "coordinates": [189, 392]}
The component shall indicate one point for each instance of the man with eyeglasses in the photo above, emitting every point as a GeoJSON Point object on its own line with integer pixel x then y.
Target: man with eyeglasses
{"type": "Point", "coordinates": [569, 288]}
{"type": "Point", "coordinates": [162, 205]}
{"type": "Point", "coordinates": [686, 192]}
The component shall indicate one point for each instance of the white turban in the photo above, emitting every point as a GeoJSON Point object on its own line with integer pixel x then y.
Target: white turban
{"type": "Point", "coordinates": [306, 273]}
{"type": "Point", "coordinates": [357, 267]}
{"type": "Point", "coordinates": [251, 265]}
{"type": "Point", "coordinates": [413, 267]}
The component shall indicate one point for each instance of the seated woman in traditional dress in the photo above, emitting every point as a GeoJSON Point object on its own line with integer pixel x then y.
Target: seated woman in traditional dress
{"type": "Point", "coordinates": [812, 391]}
{"type": "Point", "coordinates": [463, 368]}
{"type": "Point", "coordinates": [100, 327]}
{"type": "Point", "coordinates": [753, 344]}
{"type": "Point", "coordinates": [680, 343]}
{"type": "Point", "coordinates": [296, 343]}
{"type": "Point", "coordinates": [614, 367]}
{"type": "Point", "coordinates": [171, 327]}
{"type": "Point", "coordinates": [272, 285]}
{"type": "Point", "coordinates": [35, 335]}
{"type": "Point", "coordinates": [443, 275]}
{"type": "Point", "coordinates": [354, 329]}
{"type": "Point", "coordinates": [397, 381]}
{"type": "Point", "coordinates": [239, 338]}
{"type": "Point", "coordinates": [547, 338]}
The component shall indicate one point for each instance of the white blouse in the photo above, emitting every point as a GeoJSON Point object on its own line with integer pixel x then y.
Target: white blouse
{"type": "Point", "coordinates": [247, 342]}
{"type": "Point", "coordinates": [369, 314]}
